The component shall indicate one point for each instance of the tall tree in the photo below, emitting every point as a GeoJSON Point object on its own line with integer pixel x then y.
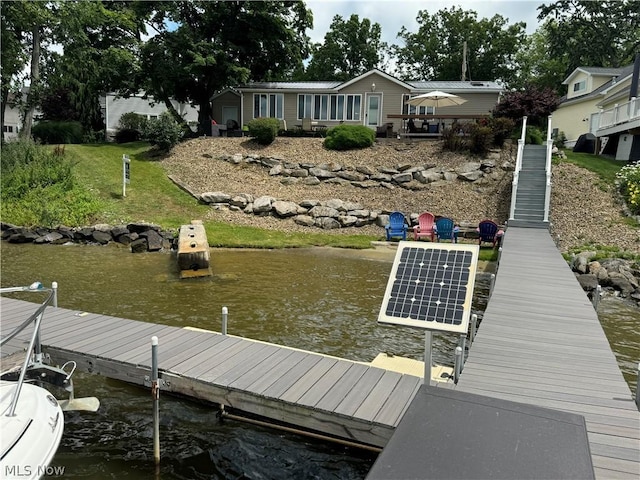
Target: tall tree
{"type": "Point", "coordinates": [100, 40]}
{"type": "Point", "coordinates": [435, 51]}
{"type": "Point", "coordinates": [537, 67]}
{"type": "Point", "coordinates": [350, 48]}
{"type": "Point", "coordinates": [23, 22]}
{"type": "Point", "coordinates": [596, 34]}
{"type": "Point", "coordinates": [217, 44]}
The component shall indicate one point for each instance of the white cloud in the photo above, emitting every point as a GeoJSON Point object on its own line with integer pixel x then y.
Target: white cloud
{"type": "Point", "coordinates": [392, 15]}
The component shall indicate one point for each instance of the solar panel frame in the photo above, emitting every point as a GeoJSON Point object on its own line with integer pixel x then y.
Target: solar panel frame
{"type": "Point", "coordinates": [431, 286]}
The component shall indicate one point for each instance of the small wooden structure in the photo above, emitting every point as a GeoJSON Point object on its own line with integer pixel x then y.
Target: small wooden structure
{"type": "Point", "coordinates": [193, 251]}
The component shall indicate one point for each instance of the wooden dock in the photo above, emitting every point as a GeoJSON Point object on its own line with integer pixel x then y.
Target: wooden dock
{"type": "Point", "coordinates": [336, 397]}
{"type": "Point", "coordinates": [541, 343]}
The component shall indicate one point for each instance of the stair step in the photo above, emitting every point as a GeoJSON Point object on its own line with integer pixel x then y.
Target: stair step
{"type": "Point", "coordinates": [527, 224]}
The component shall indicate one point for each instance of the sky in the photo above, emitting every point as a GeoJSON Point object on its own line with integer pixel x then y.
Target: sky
{"type": "Point", "coordinates": [392, 15]}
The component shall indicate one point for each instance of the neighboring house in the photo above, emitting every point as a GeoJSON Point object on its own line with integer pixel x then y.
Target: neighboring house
{"type": "Point", "coordinates": [599, 102]}
{"type": "Point", "coordinates": [372, 99]}
{"type": "Point", "coordinates": [113, 107]}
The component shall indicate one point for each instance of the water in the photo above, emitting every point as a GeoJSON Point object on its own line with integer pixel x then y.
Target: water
{"type": "Point", "coordinates": [323, 300]}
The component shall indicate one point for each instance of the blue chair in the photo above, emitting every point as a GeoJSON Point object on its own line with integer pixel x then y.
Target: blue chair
{"type": "Point", "coordinates": [397, 227]}
{"type": "Point", "coordinates": [488, 231]}
{"type": "Point", "coordinates": [446, 230]}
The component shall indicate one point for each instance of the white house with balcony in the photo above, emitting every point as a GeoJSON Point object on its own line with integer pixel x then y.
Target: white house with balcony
{"type": "Point", "coordinates": [600, 101]}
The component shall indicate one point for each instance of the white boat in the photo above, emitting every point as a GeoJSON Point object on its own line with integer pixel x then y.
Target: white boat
{"type": "Point", "coordinates": [31, 433]}
{"type": "Point", "coordinates": [31, 418]}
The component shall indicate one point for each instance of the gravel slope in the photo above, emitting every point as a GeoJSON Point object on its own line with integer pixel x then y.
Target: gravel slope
{"type": "Point", "coordinates": [581, 212]}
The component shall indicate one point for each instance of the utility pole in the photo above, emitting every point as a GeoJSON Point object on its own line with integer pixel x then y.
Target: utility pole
{"type": "Point", "coordinates": [464, 60]}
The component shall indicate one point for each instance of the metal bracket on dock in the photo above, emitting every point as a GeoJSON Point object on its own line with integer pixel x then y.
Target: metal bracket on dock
{"type": "Point", "coordinates": [147, 382]}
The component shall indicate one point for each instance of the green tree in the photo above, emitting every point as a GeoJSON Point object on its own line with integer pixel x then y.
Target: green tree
{"type": "Point", "coordinates": [435, 51]}
{"type": "Point", "coordinates": [100, 40]}
{"type": "Point", "coordinates": [596, 34]}
{"type": "Point", "coordinates": [350, 48]}
{"type": "Point", "coordinates": [217, 44]}
{"type": "Point", "coordinates": [537, 67]}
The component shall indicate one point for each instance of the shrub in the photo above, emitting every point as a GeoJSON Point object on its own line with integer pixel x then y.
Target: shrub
{"type": "Point", "coordinates": [534, 136]}
{"type": "Point", "coordinates": [264, 130]}
{"type": "Point", "coordinates": [559, 140]}
{"type": "Point", "coordinates": [39, 188]}
{"type": "Point", "coordinates": [347, 137]}
{"type": "Point", "coordinates": [452, 140]}
{"type": "Point", "coordinates": [629, 180]}
{"type": "Point", "coordinates": [51, 132]}
{"type": "Point", "coordinates": [163, 132]}
{"type": "Point", "coordinates": [127, 135]}
{"type": "Point", "coordinates": [501, 128]}
{"type": "Point", "coordinates": [132, 121]}
{"type": "Point", "coordinates": [480, 140]}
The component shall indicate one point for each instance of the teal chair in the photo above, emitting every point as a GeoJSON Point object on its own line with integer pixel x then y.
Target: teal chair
{"type": "Point", "coordinates": [446, 230]}
{"type": "Point", "coordinates": [397, 226]}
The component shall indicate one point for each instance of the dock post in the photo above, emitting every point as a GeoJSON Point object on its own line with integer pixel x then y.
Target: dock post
{"type": "Point", "coordinates": [155, 393]}
{"type": "Point", "coordinates": [428, 337]}
{"type": "Point", "coordinates": [225, 314]}
{"type": "Point", "coordinates": [493, 282]}
{"type": "Point", "coordinates": [595, 299]}
{"type": "Point", "coordinates": [457, 368]}
{"type": "Point", "coordinates": [638, 388]}
{"type": "Point", "coordinates": [54, 287]}
{"type": "Point", "coordinates": [474, 328]}
{"type": "Point", "coordinates": [463, 345]}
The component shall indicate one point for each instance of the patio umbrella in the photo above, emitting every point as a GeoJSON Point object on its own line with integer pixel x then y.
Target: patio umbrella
{"type": "Point", "coordinates": [436, 99]}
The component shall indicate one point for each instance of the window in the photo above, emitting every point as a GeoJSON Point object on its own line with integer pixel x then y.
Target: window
{"type": "Point", "coordinates": [268, 105]}
{"type": "Point", "coordinates": [413, 110]}
{"type": "Point", "coordinates": [329, 107]}
{"type": "Point", "coordinates": [579, 86]}
{"type": "Point", "coordinates": [7, 128]}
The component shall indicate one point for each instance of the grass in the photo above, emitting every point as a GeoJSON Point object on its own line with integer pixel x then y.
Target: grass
{"type": "Point", "coordinates": [605, 168]}
{"type": "Point", "coordinates": [151, 197]}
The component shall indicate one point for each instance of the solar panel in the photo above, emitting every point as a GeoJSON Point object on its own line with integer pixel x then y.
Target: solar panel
{"type": "Point", "coordinates": [431, 286]}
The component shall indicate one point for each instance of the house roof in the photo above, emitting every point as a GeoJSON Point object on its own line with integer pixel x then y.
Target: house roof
{"type": "Point", "coordinates": [622, 73]}
{"type": "Point", "coordinates": [594, 72]}
{"type": "Point", "coordinates": [414, 86]}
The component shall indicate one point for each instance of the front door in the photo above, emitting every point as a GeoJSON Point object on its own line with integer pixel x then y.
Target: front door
{"type": "Point", "coordinates": [374, 110]}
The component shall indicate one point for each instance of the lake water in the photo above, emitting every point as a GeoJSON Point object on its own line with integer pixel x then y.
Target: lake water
{"type": "Point", "coordinates": [323, 300]}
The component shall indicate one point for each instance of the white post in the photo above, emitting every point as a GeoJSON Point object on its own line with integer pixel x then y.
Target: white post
{"type": "Point", "coordinates": [457, 368]}
{"type": "Point", "coordinates": [225, 313]}
{"type": "Point", "coordinates": [638, 389]}
{"type": "Point", "coordinates": [155, 393]}
{"type": "Point", "coordinates": [474, 328]}
{"type": "Point", "coordinates": [54, 287]}
{"type": "Point", "coordinates": [428, 337]}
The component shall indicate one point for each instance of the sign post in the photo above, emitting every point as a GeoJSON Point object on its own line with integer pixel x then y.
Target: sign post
{"type": "Point", "coordinates": [126, 173]}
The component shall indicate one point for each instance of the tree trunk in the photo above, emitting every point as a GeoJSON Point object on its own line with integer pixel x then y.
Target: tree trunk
{"type": "Point", "coordinates": [35, 78]}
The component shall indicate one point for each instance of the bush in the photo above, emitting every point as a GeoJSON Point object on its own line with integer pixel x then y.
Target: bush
{"type": "Point", "coordinates": [39, 188]}
{"type": "Point", "coordinates": [51, 132]}
{"type": "Point", "coordinates": [559, 140]}
{"type": "Point", "coordinates": [264, 130]}
{"type": "Point", "coordinates": [501, 127]}
{"type": "Point", "coordinates": [534, 136]}
{"type": "Point", "coordinates": [127, 135]}
{"type": "Point", "coordinates": [480, 140]}
{"type": "Point", "coordinates": [132, 121]}
{"type": "Point", "coordinates": [163, 132]}
{"type": "Point", "coordinates": [629, 178]}
{"type": "Point", "coordinates": [347, 137]}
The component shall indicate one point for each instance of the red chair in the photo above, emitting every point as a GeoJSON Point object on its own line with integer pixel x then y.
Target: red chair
{"type": "Point", "coordinates": [424, 228]}
{"type": "Point", "coordinates": [489, 231]}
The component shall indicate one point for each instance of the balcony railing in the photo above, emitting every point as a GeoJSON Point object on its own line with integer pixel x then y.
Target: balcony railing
{"type": "Point", "coordinates": [617, 115]}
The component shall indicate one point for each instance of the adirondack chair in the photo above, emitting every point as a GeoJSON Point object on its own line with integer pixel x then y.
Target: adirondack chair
{"type": "Point", "coordinates": [397, 227]}
{"type": "Point", "coordinates": [424, 228]}
{"type": "Point", "coordinates": [446, 230]}
{"type": "Point", "coordinates": [489, 231]}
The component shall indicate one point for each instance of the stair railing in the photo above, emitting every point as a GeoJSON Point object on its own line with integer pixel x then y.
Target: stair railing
{"type": "Point", "coordinates": [516, 173]}
{"type": "Point", "coordinates": [547, 191]}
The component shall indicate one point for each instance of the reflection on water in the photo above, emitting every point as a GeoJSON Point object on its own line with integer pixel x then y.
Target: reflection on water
{"type": "Point", "coordinates": [323, 300]}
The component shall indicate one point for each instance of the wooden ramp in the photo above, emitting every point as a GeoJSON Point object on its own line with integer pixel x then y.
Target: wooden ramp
{"type": "Point", "coordinates": [337, 397]}
{"type": "Point", "coordinates": [541, 343]}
